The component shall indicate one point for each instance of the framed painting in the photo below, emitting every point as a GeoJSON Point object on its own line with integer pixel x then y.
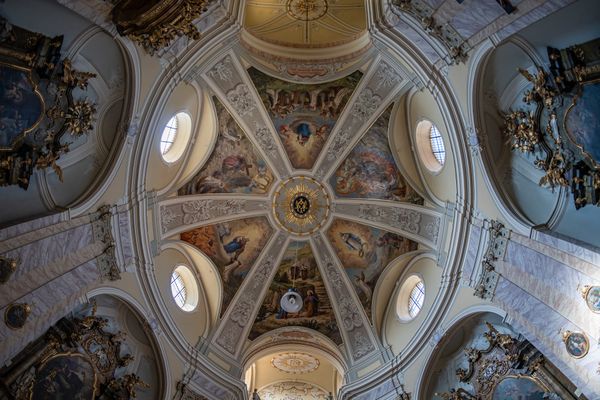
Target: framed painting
{"type": "Point", "coordinates": [65, 376]}
{"type": "Point", "coordinates": [21, 106]}
{"type": "Point", "coordinates": [576, 343]}
{"type": "Point", "coordinates": [591, 294]}
{"type": "Point", "coordinates": [518, 387]}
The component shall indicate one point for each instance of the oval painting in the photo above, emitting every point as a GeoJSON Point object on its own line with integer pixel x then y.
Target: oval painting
{"type": "Point", "coordinates": [577, 344]}
{"type": "Point", "coordinates": [593, 299]}
{"type": "Point", "coordinates": [66, 376]}
{"type": "Point", "coordinates": [518, 388]}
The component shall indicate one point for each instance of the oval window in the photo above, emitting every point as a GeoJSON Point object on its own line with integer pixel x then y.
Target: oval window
{"type": "Point", "coordinates": [184, 288]}
{"type": "Point", "coordinates": [411, 297]}
{"type": "Point", "coordinates": [175, 137]}
{"type": "Point", "coordinates": [430, 146]}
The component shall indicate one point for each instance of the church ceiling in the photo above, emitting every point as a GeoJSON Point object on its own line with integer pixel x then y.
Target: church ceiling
{"type": "Point", "coordinates": [331, 214]}
{"type": "Point", "coordinates": [370, 171]}
{"type": "Point", "coordinates": [306, 23]}
{"type": "Point", "coordinates": [234, 166]}
{"type": "Point", "coordinates": [298, 270]}
{"type": "Point", "coordinates": [234, 247]}
{"type": "Point", "coordinates": [365, 251]}
{"type": "Point", "coordinates": [303, 115]}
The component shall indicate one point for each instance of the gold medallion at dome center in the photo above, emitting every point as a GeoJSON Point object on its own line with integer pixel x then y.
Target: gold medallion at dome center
{"type": "Point", "coordinates": [307, 10]}
{"type": "Point", "coordinates": [301, 205]}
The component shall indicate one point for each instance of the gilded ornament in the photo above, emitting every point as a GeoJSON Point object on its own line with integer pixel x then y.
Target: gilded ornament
{"type": "Point", "coordinates": [79, 117]}
{"type": "Point", "coordinates": [301, 205]}
{"type": "Point", "coordinates": [7, 267]}
{"type": "Point", "coordinates": [157, 28]}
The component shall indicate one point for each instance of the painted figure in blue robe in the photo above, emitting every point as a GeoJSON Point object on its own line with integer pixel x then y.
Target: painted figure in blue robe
{"type": "Point", "coordinates": [303, 132]}
{"type": "Point", "coordinates": [354, 242]}
{"type": "Point", "coordinates": [235, 247]}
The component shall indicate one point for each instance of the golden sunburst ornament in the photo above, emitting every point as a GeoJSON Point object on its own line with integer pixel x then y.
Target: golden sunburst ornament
{"type": "Point", "coordinates": [301, 205]}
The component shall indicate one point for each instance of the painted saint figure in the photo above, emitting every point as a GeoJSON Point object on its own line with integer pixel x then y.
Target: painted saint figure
{"type": "Point", "coordinates": [235, 247]}
{"type": "Point", "coordinates": [353, 242]}
{"type": "Point", "coordinates": [311, 304]}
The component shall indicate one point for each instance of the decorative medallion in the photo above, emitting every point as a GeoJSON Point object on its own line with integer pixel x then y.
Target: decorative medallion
{"type": "Point", "coordinates": [576, 343]}
{"type": "Point", "coordinates": [16, 315]}
{"type": "Point", "coordinates": [591, 294]}
{"type": "Point", "coordinates": [301, 205]}
{"type": "Point", "coordinates": [307, 10]}
{"type": "Point", "coordinates": [295, 363]}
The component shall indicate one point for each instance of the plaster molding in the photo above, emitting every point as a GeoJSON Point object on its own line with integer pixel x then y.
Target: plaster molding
{"type": "Point", "coordinates": [418, 223]}
{"type": "Point", "coordinates": [184, 213]}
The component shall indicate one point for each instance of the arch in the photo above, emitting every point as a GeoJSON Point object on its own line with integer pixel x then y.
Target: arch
{"type": "Point", "coordinates": [311, 341]}
{"type": "Point", "coordinates": [423, 380]}
{"type": "Point", "coordinates": [165, 379]}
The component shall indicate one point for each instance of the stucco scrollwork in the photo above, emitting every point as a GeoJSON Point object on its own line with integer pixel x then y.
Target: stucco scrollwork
{"type": "Point", "coordinates": [498, 240]}
{"type": "Point", "coordinates": [200, 210]}
{"type": "Point", "coordinates": [366, 105]}
{"type": "Point", "coordinates": [351, 317]}
{"type": "Point", "coordinates": [241, 99]}
{"type": "Point", "coordinates": [362, 345]}
{"type": "Point", "coordinates": [222, 70]}
{"type": "Point", "coordinates": [265, 140]}
{"type": "Point", "coordinates": [387, 76]}
{"type": "Point", "coordinates": [242, 311]}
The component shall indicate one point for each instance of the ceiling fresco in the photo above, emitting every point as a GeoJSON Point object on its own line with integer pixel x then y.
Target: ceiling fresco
{"type": "Point", "coordinates": [364, 252]}
{"type": "Point", "coordinates": [298, 269]}
{"type": "Point", "coordinates": [370, 170]}
{"type": "Point", "coordinates": [234, 165]}
{"type": "Point", "coordinates": [234, 247]}
{"type": "Point", "coordinates": [303, 114]}
{"type": "Point", "coordinates": [309, 219]}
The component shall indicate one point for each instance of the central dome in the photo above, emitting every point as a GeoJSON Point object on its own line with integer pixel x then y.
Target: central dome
{"type": "Point", "coordinates": [301, 205]}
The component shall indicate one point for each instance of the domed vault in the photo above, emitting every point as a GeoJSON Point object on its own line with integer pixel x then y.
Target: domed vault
{"type": "Point", "coordinates": [301, 190]}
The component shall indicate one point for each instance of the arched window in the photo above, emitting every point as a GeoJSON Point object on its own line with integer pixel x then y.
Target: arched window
{"type": "Point", "coordinates": [411, 297]}
{"type": "Point", "coordinates": [430, 146]}
{"type": "Point", "coordinates": [175, 137]}
{"type": "Point", "coordinates": [184, 288]}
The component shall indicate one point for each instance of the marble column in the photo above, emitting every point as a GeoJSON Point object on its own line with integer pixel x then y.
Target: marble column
{"type": "Point", "coordinates": [59, 259]}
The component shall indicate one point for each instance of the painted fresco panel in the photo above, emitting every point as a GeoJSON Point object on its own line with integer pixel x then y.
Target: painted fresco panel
{"type": "Point", "coordinates": [298, 269]}
{"type": "Point", "coordinates": [235, 166]}
{"type": "Point", "coordinates": [583, 121]}
{"type": "Point", "coordinates": [303, 115]}
{"type": "Point", "coordinates": [365, 252]}
{"type": "Point", "coordinates": [370, 171]}
{"type": "Point", "coordinates": [233, 247]}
